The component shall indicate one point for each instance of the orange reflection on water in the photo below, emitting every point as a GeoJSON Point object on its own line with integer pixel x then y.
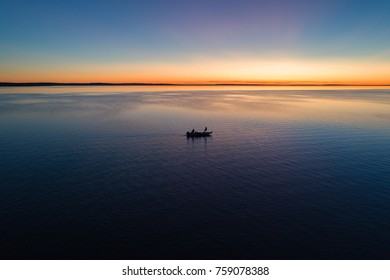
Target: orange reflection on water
{"type": "Point", "coordinates": [371, 106]}
{"type": "Point", "coordinates": [354, 105]}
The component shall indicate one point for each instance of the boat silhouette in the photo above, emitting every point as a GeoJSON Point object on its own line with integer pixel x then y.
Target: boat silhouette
{"type": "Point", "coordinates": [194, 133]}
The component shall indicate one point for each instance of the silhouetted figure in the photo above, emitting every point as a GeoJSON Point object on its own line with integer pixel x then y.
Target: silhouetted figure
{"type": "Point", "coordinates": [193, 130]}
{"type": "Point", "coordinates": [205, 129]}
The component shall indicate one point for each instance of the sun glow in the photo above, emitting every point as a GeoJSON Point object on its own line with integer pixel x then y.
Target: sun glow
{"type": "Point", "coordinates": [208, 71]}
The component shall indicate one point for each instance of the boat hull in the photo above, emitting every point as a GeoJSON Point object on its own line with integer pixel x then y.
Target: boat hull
{"type": "Point", "coordinates": [198, 134]}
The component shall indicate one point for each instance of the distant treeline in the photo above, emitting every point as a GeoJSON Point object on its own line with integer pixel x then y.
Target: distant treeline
{"type": "Point", "coordinates": [48, 84]}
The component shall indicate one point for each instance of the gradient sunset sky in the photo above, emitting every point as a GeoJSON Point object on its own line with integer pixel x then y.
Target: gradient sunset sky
{"type": "Point", "coordinates": [195, 41]}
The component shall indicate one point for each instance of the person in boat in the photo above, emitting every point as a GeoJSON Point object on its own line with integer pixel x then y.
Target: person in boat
{"type": "Point", "coordinates": [205, 129]}
{"type": "Point", "coordinates": [192, 131]}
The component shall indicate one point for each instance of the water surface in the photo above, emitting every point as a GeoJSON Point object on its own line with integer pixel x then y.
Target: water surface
{"type": "Point", "coordinates": [107, 173]}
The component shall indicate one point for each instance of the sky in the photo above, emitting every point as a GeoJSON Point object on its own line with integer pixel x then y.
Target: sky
{"type": "Point", "coordinates": [278, 41]}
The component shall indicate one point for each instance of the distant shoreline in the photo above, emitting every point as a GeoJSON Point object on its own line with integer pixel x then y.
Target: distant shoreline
{"type": "Point", "coordinates": [48, 84]}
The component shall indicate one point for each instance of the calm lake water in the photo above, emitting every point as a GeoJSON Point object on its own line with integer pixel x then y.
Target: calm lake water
{"type": "Point", "coordinates": [107, 173]}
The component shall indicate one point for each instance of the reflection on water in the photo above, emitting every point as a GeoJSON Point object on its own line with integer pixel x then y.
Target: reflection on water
{"type": "Point", "coordinates": [106, 172]}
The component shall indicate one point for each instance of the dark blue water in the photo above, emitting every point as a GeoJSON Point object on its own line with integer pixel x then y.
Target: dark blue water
{"type": "Point", "coordinates": [107, 173]}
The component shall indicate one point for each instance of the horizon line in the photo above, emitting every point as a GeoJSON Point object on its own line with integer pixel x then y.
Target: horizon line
{"type": "Point", "coordinates": [32, 84]}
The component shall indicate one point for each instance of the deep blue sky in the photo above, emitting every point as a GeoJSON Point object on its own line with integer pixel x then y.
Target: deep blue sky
{"type": "Point", "coordinates": [144, 40]}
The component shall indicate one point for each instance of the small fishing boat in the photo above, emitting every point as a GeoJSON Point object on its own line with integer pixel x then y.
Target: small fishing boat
{"type": "Point", "coordinates": [199, 134]}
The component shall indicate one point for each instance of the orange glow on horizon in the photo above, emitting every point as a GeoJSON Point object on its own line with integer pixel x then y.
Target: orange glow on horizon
{"type": "Point", "coordinates": [208, 71]}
